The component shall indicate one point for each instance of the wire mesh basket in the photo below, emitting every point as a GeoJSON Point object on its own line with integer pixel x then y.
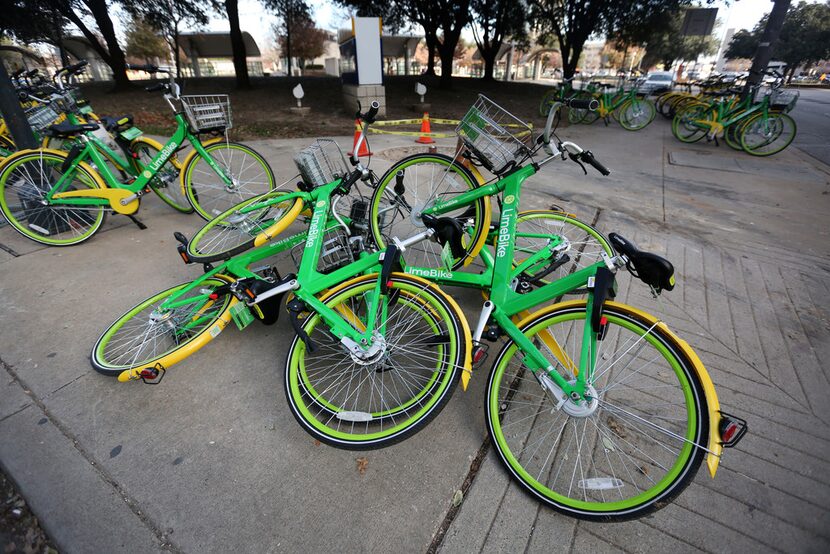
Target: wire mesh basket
{"type": "Point", "coordinates": [208, 112]}
{"type": "Point", "coordinates": [64, 102]}
{"type": "Point", "coordinates": [321, 163]}
{"type": "Point", "coordinates": [494, 135]}
{"type": "Point", "coordinates": [335, 253]}
{"type": "Point", "coordinates": [41, 117]}
{"type": "Point", "coordinates": [784, 100]}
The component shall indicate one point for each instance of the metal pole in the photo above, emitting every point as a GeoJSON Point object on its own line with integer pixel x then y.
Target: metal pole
{"type": "Point", "coordinates": [768, 39]}
{"type": "Point", "coordinates": [13, 114]}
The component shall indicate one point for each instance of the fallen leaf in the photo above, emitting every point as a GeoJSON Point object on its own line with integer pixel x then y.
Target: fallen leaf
{"type": "Point", "coordinates": [457, 499]}
{"type": "Point", "coordinates": [362, 463]}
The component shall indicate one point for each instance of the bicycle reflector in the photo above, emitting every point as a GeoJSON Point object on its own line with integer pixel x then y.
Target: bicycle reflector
{"type": "Point", "coordinates": [732, 429]}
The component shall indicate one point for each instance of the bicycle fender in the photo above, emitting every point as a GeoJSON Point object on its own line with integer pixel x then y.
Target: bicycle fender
{"type": "Point", "coordinates": [280, 225]}
{"type": "Point", "coordinates": [714, 446]}
{"type": "Point", "coordinates": [190, 348]}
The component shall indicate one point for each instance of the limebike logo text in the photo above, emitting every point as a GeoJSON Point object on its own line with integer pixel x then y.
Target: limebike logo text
{"type": "Point", "coordinates": [429, 273]}
{"type": "Point", "coordinates": [314, 229]}
{"type": "Point", "coordinates": [163, 155]}
{"type": "Point", "coordinates": [504, 232]}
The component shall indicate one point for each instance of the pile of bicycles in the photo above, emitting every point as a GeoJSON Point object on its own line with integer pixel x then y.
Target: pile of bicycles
{"type": "Point", "coordinates": [87, 166]}
{"type": "Point", "coordinates": [596, 408]}
{"type": "Point", "coordinates": [625, 105]}
{"type": "Point", "coordinates": [757, 123]}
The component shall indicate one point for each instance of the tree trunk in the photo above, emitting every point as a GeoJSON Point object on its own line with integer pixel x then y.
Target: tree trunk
{"type": "Point", "coordinates": [116, 60]}
{"type": "Point", "coordinates": [489, 58]}
{"type": "Point", "coordinates": [240, 62]}
{"type": "Point", "coordinates": [431, 40]}
{"type": "Point", "coordinates": [768, 40]}
{"type": "Point", "coordinates": [176, 50]}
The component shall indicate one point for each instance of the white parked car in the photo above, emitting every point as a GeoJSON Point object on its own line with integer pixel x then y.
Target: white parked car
{"type": "Point", "coordinates": [656, 82]}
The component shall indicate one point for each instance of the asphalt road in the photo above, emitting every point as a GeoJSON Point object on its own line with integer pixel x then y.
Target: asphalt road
{"type": "Point", "coordinates": [812, 115]}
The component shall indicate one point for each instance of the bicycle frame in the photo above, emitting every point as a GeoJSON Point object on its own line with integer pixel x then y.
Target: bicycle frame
{"type": "Point", "coordinates": [120, 201]}
{"type": "Point", "coordinates": [500, 277]}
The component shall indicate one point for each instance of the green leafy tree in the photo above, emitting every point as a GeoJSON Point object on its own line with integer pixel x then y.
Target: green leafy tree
{"type": "Point", "coordinates": [309, 41]}
{"type": "Point", "coordinates": [493, 22]}
{"type": "Point", "coordinates": [169, 16]}
{"type": "Point", "coordinates": [664, 43]}
{"type": "Point", "coordinates": [571, 22]}
{"type": "Point", "coordinates": [804, 38]}
{"type": "Point", "coordinates": [144, 42]}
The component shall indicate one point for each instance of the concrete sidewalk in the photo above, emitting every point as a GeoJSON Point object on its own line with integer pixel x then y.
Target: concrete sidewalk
{"type": "Point", "coordinates": [212, 461]}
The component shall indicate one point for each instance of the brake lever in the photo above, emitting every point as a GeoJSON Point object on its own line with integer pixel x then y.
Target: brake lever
{"type": "Point", "coordinates": [576, 160]}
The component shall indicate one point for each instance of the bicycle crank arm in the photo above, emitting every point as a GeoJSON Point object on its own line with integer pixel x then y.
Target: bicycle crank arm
{"type": "Point", "coordinates": [121, 201]}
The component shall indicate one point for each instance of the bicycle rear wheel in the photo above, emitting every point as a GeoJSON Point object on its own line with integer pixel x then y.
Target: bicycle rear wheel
{"type": "Point", "coordinates": [427, 180]}
{"type": "Point", "coordinates": [166, 182]}
{"type": "Point", "coordinates": [626, 454]}
{"type": "Point", "coordinates": [232, 232]}
{"type": "Point", "coordinates": [357, 403]}
{"type": "Point", "coordinates": [25, 180]}
{"type": "Point", "coordinates": [585, 244]}
{"type": "Point", "coordinates": [208, 193]}
{"type": "Point", "coordinates": [149, 334]}
{"type": "Point", "coordinates": [636, 114]}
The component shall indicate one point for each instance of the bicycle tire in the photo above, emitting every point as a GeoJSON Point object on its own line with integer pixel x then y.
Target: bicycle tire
{"type": "Point", "coordinates": [586, 243]}
{"type": "Point", "coordinates": [141, 338]}
{"type": "Point", "coordinates": [353, 404]}
{"type": "Point", "coordinates": [548, 100]}
{"type": "Point", "coordinates": [428, 178]}
{"type": "Point", "coordinates": [636, 114]}
{"type": "Point", "coordinates": [627, 423]}
{"type": "Point", "coordinates": [207, 193]}
{"type": "Point", "coordinates": [166, 183]}
{"type": "Point", "coordinates": [26, 177]}
{"type": "Point", "coordinates": [761, 138]}
{"type": "Point", "coordinates": [230, 233]}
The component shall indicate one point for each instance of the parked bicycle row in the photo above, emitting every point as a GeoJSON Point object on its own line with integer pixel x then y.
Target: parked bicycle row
{"type": "Point", "coordinates": [595, 407]}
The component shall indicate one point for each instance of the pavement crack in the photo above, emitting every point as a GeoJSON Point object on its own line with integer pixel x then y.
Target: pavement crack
{"type": "Point", "coordinates": [133, 505]}
{"type": "Point", "coordinates": [452, 511]}
{"type": "Point", "coordinates": [9, 249]}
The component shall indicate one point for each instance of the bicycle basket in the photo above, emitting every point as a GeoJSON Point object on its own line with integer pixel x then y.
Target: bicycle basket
{"type": "Point", "coordinates": [783, 100]}
{"type": "Point", "coordinates": [208, 112]}
{"type": "Point", "coordinates": [335, 253]}
{"type": "Point", "coordinates": [41, 117]}
{"type": "Point", "coordinates": [497, 138]}
{"type": "Point", "coordinates": [64, 103]}
{"type": "Point", "coordinates": [321, 163]}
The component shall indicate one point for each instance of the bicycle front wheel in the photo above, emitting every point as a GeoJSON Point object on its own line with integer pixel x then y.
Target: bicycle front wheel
{"type": "Point", "coordinates": [369, 401]}
{"type": "Point", "coordinates": [26, 179]}
{"type": "Point", "coordinates": [628, 452]}
{"type": "Point", "coordinates": [636, 113]}
{"type": "Point", "coordinates": [150, 333]}
{"type": "Point", "coordinates": [426, 180]}
{"type": "Point", "coordinates": [248, 173]}
{"type": "Point", "coordinates": [765, 136]}
{"type": "Point", "coordinates": [166, 182]}
{"type": "Point", "coordinates": [233, 232]}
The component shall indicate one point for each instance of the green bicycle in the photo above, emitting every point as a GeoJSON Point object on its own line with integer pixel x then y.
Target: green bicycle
{"type": "Point", "coordinates": [571, 407]}
{"type": "Point", "coordinates": [631, 111]}
{"type": "Point", "coordinates": [57, 198]}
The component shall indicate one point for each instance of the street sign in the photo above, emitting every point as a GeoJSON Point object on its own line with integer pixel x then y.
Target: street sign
{"type": "Point", "coordinates": [699, 22]}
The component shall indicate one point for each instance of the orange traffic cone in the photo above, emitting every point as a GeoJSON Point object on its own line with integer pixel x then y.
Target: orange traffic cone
{"type": "Point", "coordinates": [424, 139]}
{"type": "Point", "coordinates": [364, 148]}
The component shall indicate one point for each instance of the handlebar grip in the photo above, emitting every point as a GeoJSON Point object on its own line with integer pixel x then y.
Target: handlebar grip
{"type": "Point", "coordinates": [369, 117]}
{"type": "Point", "coordinates": [589, 159]}
{"type": "Point", "coordinates": [17, 73]}
{"type": "Point", "coordinates": [32, 73]}
{"type": "Point", "coordinates": [78, 66]}
{"type": "Point", "coordinates": [154, 88]}
{"type": "Point", "coordinates": [582, 103]}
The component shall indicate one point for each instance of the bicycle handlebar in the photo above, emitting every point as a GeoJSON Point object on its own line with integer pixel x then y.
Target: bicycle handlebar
{"type": "Point", "coordinates": [589, 159]}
